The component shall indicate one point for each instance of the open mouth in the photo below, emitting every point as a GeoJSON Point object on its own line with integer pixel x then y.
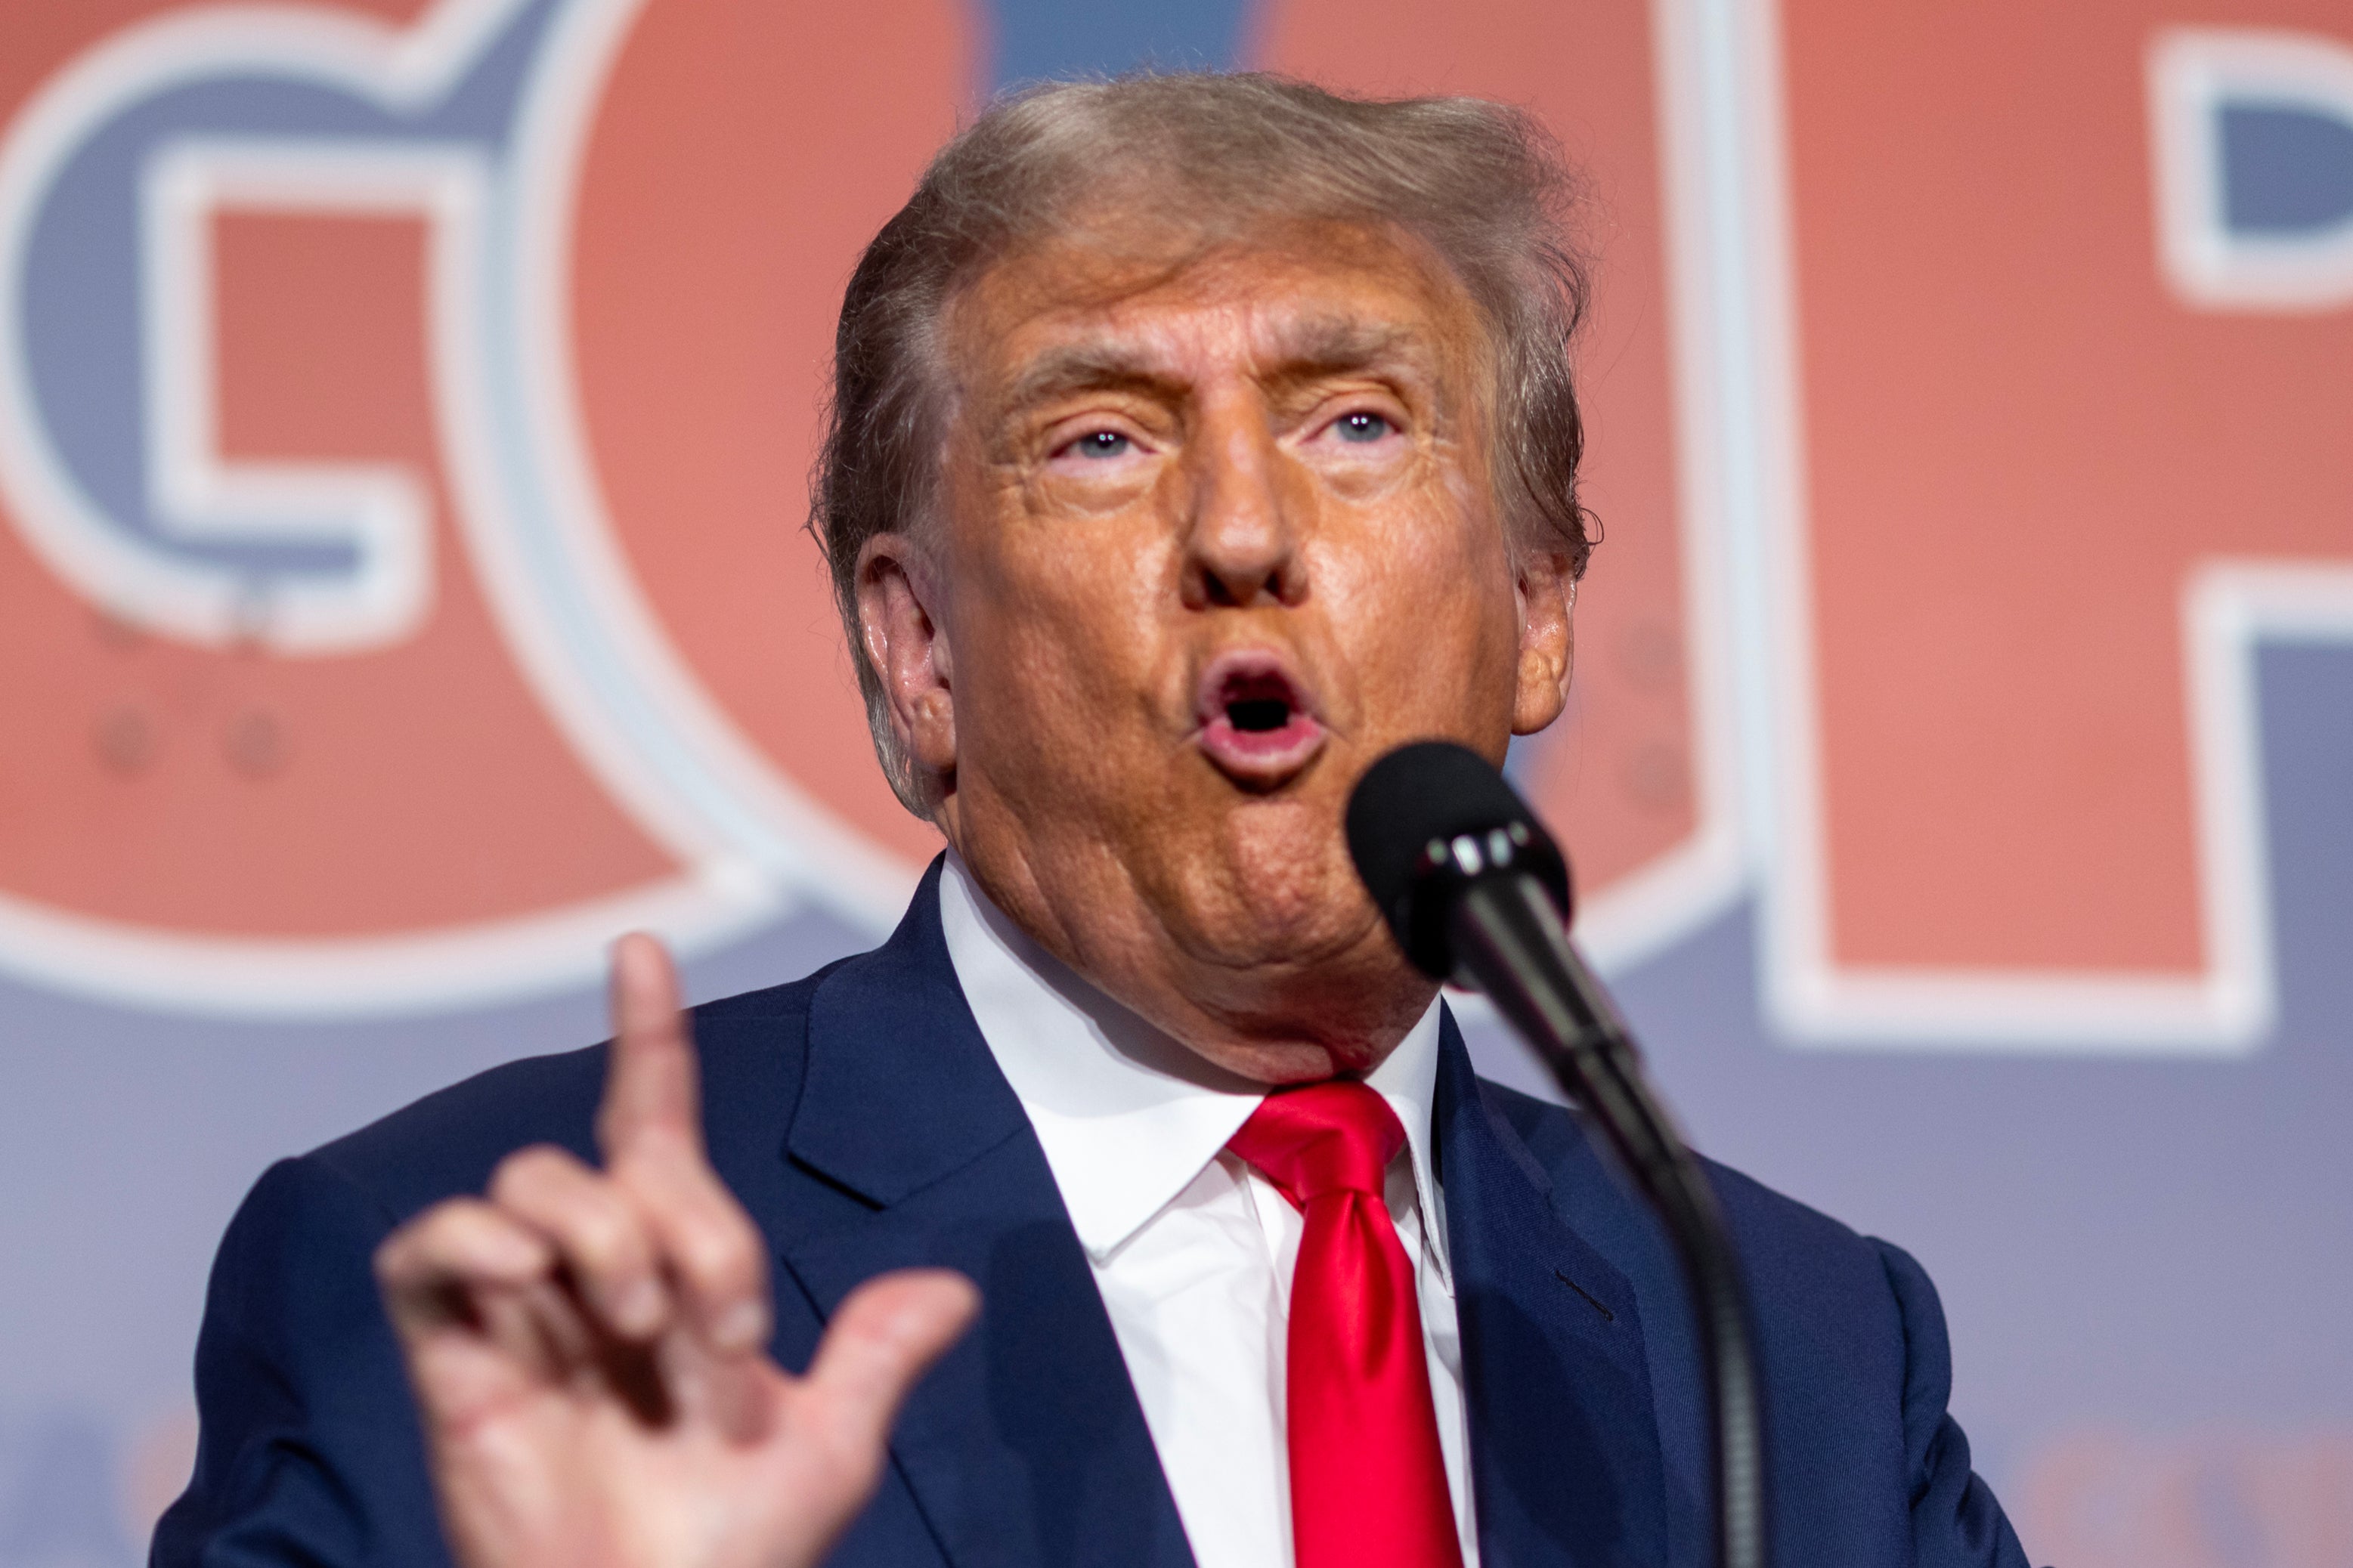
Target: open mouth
{"type": "Point", "coordinates": [1257, 722]}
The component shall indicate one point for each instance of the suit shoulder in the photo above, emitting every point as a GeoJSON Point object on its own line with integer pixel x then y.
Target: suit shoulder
{"type": "Point", "coordinates": [450, 1141]}
{"type": "Point", "coordinates": [1850, 1335]}
{"type": "Point", "coordinates": [1775, 1231]}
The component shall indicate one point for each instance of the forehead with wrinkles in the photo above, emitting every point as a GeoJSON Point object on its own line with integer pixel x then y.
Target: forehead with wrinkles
{"type": "Point", "coordinates": [1096, 309]}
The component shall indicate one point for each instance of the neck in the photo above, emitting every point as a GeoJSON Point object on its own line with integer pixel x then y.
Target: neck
{"type": "Point", "coordinates": [1286, 1018]}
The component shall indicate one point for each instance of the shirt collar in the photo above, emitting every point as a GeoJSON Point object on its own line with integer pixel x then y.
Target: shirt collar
{"type": "Point", "coordinates": [1127, 1117]}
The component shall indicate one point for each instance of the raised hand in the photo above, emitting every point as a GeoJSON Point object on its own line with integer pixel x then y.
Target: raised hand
{"type": "Point", "coordinates": [589, 1347]}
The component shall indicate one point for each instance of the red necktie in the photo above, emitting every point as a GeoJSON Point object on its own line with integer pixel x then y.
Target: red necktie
{"type": "Point", "coordinates": [1367, 1481]}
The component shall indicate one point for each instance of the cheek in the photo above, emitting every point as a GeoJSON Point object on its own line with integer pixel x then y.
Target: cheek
{"type": "Point", "coordinates": [1424, 598]}
{"type": "Point", "coordinates": [1064, 632]}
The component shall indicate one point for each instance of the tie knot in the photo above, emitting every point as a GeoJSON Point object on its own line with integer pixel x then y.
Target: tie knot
{"type": "Point", "coordinates": [1332, 1137]}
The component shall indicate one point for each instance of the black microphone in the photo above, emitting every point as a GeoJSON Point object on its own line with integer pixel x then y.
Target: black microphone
{"type": "Point", "coordinates": [1478, 893]}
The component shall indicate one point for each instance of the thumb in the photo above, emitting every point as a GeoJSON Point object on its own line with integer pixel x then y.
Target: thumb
{"type": "Point", "coordinates": [649, 1079]}
{"type": "Point", "coordinates": [881, 1342]}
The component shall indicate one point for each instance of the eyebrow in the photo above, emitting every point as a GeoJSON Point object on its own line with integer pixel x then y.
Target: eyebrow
{"type": "Point", "coordinates": [1318, 346]}
{"type": "Point", "coordinates": [1330, 345]}
{"type": "Point", "coordinates": [1086, 367]}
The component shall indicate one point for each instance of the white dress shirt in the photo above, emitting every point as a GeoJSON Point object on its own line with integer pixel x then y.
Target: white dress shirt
{"type": "Point", "coordinates": [1192, 1248]}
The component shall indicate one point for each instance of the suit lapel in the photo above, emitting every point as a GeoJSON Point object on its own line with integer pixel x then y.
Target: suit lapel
{"type": "Point", "coordinates": [1564, 1435]}
{"type": "Point", "coordinates": [1026, 1446]}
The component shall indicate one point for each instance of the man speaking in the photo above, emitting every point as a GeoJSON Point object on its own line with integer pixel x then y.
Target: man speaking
{"type": "Point", "coordinates": [1196, 440]}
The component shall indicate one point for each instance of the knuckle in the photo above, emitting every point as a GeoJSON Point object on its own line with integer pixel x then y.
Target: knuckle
{"type": "Point", "coordinates": [580, 1208]}
{"type": "Point", "coordinates": [716, 1252]}
{"type": "Point", "coordinates": [601, 1230]}
{"type": "Point", "coordinates": [415, 1244]}
{"type": "Point", "coordinates": [392, 1258]}
{"type": "Point", "coordinates": [528, 1173]}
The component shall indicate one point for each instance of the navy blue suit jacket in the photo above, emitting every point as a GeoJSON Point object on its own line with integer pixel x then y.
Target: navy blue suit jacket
{"type": "Point", "coordinates": [860, 1118]}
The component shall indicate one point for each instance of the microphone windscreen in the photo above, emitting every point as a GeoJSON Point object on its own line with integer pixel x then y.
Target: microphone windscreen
{"type": "Point", "coordinates": [1426, 791]}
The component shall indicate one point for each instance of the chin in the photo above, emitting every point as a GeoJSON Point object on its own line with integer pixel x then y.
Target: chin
{"type": "Point", "coordinates": [1276, 897]}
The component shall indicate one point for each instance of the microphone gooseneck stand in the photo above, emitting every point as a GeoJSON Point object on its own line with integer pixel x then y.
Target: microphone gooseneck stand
{"type": "Point", "coordinates": [1478, 893]}
{"type": "Point", "coordinates": [1500, 925]}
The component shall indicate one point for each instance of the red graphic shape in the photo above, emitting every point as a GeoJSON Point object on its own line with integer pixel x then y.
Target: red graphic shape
{"type": "Point", "coordinates": [1616, 776]}
{"type": "Point", "coordinates": [742, 157]}
{"type": "Point", "coordinates": [2018, 444]}
{"type": "Point", "coordinates": [233, 793]}
{"type": "Point", "coordinates": [2200, 1498]}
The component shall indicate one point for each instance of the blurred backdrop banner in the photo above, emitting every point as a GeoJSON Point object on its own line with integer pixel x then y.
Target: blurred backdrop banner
{"type": "Point", "coordinates": [405, 416]}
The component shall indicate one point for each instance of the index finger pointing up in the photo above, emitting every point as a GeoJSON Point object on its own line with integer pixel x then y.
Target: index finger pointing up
{"type": "Point", "coordinates": [651, 1095]}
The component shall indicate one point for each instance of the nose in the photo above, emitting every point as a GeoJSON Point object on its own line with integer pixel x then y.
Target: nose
{"type": "Point", "coordinates": [1242, 548]}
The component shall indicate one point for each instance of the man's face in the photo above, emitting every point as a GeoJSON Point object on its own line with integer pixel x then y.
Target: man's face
{"type": "Point", "coordinates": [1219, 531]}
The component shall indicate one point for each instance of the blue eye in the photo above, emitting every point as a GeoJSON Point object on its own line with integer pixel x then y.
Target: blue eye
{"type": "Point", "coordinates": [1361, 428]}
{"type": "Point", "coordinates": [1101, 444]}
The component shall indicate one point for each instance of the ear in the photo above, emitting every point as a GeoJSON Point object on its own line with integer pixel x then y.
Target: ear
{"type": "Point", "coordinates": [908, 646]}
{"type": "Point", "coordinates": [1546, 588]}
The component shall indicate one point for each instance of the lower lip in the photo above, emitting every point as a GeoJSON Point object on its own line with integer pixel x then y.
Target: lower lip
{"type": "Point", "coordinates": [1261, 755]}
